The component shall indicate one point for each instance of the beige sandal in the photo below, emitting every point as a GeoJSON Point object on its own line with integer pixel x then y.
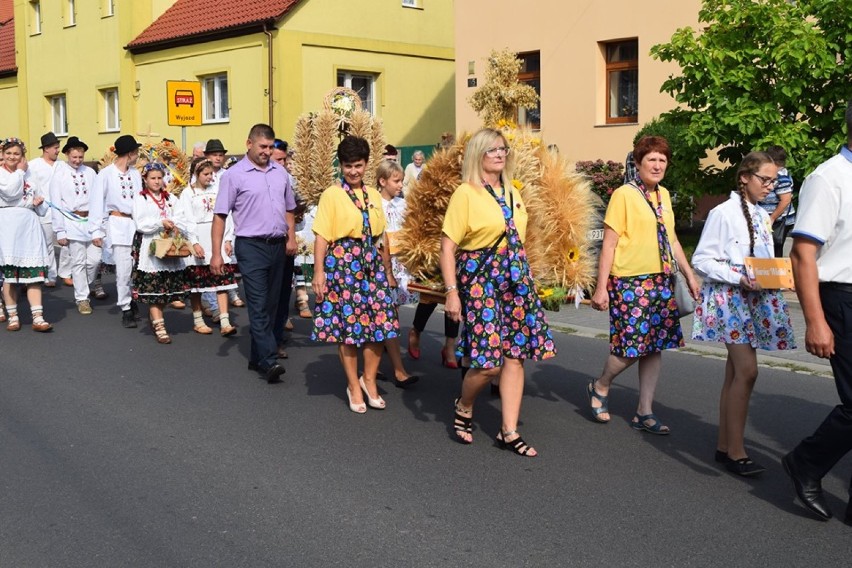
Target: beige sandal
{"type": "Point", "coordinates": [203, 329]}
{"type": "Point", "coordinates": [14, 323]}
{"type": "Point", "coordinates": [160, 333]}
{"type": "Point", "coordinates": [39, 324]}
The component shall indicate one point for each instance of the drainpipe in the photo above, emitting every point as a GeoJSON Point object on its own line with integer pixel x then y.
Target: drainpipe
{"type": "Point", "coordinates": [269, 87]}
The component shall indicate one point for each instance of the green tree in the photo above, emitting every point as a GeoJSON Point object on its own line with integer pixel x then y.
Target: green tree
{"type": "Point", "coordinates": [763, 72]}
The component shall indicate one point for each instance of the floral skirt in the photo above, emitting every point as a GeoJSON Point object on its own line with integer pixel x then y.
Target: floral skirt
{"type": "Point", "coordinates": [200, 279]}
{"type": "Point", "coordinates": [26, 275]}
{"type": "Point", "coordinates": [501, 317]}
{"type": "Point", "coordinates": [157, 287]}
{"type": "Point", "coordinates": [358, 307]}
{"type": "Point", "coordinates": [730, 314]}
{"type": "Point", "coordinates": [643, 315]}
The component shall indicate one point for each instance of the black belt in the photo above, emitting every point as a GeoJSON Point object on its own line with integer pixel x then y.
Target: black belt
{"type": "Point", "coordinates": [267, 240]}
{"type": "Point", "coordinates": [841, 286]}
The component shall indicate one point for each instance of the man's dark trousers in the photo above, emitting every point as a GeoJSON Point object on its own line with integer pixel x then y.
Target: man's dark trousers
{"type": "Point", "coordinates": [261, 263]}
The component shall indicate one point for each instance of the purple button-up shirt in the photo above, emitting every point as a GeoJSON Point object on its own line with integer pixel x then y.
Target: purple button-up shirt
{"type": "Point", "coordinates": [258, 198]}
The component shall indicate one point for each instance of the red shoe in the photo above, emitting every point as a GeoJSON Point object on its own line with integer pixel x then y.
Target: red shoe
{"type": "Point", "coordinates": [445, 362]}
{"type": "Point", "coordinates": [413, 352]}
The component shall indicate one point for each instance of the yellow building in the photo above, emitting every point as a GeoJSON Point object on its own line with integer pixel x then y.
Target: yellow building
{"type": "Point", "coordinates": [94, 68]}
{"type": "Point", "coordinates": [588, 59]}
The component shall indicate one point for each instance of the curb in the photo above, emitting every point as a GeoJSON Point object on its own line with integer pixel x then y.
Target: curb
{"type": "Point", "coordinates": [710, 351]}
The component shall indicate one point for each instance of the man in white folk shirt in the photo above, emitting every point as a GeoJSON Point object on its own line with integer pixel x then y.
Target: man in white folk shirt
{"type": "Point", "coordinates": [43, 168]}
{"type": "Point", "coordinates": [70, 189]}
{"type": "Point", "coordinates": [110, 221]}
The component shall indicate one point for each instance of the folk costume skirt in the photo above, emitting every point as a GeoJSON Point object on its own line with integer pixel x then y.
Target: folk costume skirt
{"type": "Point", "coordinates": [643, 315]}
{"type": "Point", "coordinates": [730, 314]}
{"type": "Point", "coordinates": [358, 307]}
{"type": "Point", "coordinates": [161, 287]}
{"type": "Point", "coordinates": [501, 312]}
{"type": "Point", "coordinates": [201, 279]}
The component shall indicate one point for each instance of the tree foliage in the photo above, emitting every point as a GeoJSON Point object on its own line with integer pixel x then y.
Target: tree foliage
{"type": "Point", "coordinates": [763, 72]}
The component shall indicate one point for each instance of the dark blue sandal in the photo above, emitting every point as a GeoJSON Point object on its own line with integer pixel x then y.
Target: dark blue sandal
{"type": "Point", "coordinates": [603, 400]}
{"type": "Point", "coordinates": [638, 423]}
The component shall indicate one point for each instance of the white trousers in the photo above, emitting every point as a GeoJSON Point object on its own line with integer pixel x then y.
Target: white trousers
{"type": "Point", "coordinates": [85, 259]}
{"type": "Point", "coordinates": [50, 239]}
{"type": "Point", "coordinates": [65, 268]}
{"type": "Point", "coordinates": [123, 269]}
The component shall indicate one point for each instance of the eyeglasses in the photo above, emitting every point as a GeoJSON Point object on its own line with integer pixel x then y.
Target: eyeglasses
{"type": "Point", "coordinates": [766, 181]}
{"type": "Point", "coordinates": [497, 151]}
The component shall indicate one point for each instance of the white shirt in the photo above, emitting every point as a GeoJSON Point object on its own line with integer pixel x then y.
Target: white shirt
{"type": "Point", "coordinates": [725, 241]}
{"type": "Point", "coordinates": [114, 191]}
{"type": "Point", "coordinates": [825, 216]}
{"type": "Point", "coordinates": [148, 219]}
{"type": "Point", "coordinates": [70, 189]}
{"type": "Point", "coordinates": [43, 174]}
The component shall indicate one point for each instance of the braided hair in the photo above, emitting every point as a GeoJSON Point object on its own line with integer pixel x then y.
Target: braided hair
{"type": "Point", "coordinates": [748, 167]}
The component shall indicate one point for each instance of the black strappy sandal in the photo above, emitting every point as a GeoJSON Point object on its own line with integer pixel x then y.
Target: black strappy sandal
{"type": "Point", "coordinates": [462, 423]}
{"type": "Point", "coordinates": [517, 445]}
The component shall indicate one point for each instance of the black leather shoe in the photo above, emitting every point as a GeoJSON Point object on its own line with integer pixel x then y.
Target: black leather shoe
{"type": "Point", "coordinates": [406, 383]}
{"type": "Point", "coordinates": [744, 467]}
{"type": "Point", "coordinates": [252, 366]}
{"type": "Point", "coordinates": [127, 319]}
{"type": "Point", "coordinates": [808, 490]}
{"type": "Point", "coordinates": [273, 374]}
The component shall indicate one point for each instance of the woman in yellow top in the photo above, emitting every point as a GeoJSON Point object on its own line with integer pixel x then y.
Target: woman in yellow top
{"type": "Point", "coordinates": [635, 283]}
{"type": "Point", "coordinates": [352, 278]}
{"type": "Point", "coordinates": [489, 286]}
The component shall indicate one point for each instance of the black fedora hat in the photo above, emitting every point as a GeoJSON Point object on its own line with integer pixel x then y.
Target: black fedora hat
{"type": "Point", "coordinates": [48, 140]}
{"type": "Point", "coordinates": [74, 142]}
{"type": "Point", "coordinates": [125, 144]}
{"type": "Point", "coordinates": [214, 145]}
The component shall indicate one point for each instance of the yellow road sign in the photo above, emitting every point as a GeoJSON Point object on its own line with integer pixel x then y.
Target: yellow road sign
{"type": "Point", "coordinates": [183, 101]}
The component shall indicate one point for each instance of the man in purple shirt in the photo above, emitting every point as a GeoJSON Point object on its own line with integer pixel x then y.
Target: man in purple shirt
{"type": "Point", "coordinates": [257, 192]}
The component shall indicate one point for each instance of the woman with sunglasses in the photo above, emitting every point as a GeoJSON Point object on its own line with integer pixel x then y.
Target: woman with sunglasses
{"type": "Point", "coordinates": [489, 286]}
{"type": "Point", "coordinates": [733, 309]}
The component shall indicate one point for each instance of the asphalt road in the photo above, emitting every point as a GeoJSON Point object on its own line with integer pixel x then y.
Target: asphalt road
{"type": "Point", "coordinates": [116, 451]}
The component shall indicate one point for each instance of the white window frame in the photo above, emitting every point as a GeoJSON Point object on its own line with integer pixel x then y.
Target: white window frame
{"type": "Point", "coordinates": [410, 3]}
{"type": "Point", "coordinates": [71, 13]}
{"type": "Point", "coordinates": [112, 119]}
{"type": "Point", "coordinates": [36, 16]}
{"type": "Point", "coordinates": [370, 105]}
{"type": "Point", "coordinates": [109, 8]}
{"type": "Point", "coordinates": [58, 105]}
{"type": "Point", "coordinates": [220, 112]}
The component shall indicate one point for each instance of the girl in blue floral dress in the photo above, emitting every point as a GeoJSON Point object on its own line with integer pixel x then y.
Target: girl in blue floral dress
{"type": "Point", "coordinates": [490, 288]}
{"type": "Point", "coordinates": [733, 309]}
{"type": "Point", "coordinates": [352, 278]}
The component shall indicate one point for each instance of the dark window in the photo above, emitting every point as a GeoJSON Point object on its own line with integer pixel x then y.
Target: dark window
{"type": "Point", "coordinates": [530, 74]}
{"type": "Point", "coordinates": [622, 81]}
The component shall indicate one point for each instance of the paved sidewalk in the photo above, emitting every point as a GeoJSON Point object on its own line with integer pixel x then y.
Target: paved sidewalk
{"type": "Point", "coordinates": [591, 323]}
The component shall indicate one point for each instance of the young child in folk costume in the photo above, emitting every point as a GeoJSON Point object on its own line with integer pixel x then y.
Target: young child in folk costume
{"type": "Point", "coordinates": [198, 201]}
{"type": "Point", "coordinates": [23, 248]}
{"type": "Point", "coordinates": [735, 310]}
{"type": "Point", "coordinates": [352, 278]}
{"type": "Point", "coordinates": [70, 190]}
{"type": "Point", "coordinates": [158, 281]}
{"type": "Point", "coordinates": [389, 177]}
{"type": "Point", "coordinates": [110, 219]}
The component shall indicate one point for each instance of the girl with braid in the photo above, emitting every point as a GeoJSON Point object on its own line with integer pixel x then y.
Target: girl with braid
{"type": "Point", "coordinates": [734, 309]}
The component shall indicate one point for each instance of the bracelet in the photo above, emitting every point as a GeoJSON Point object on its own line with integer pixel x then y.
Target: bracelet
{"type": "Point", "coordinates": [451, 288]}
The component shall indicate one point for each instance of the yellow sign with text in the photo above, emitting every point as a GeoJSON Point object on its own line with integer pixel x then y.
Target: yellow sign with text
{"type": "Point", "coordinates": [183, 101]}
{"type": "Point", "coordinates": [770, 273]}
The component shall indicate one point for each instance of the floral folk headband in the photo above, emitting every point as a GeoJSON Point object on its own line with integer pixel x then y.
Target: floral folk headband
{"type": "Point", "coordinates": [14, 142]}
{"type": "Point", "coordinates": [153, 166]}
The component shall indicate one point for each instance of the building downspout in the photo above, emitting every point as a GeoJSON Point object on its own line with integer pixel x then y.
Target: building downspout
{"type": "Point", "coordinates": [269, 86]}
